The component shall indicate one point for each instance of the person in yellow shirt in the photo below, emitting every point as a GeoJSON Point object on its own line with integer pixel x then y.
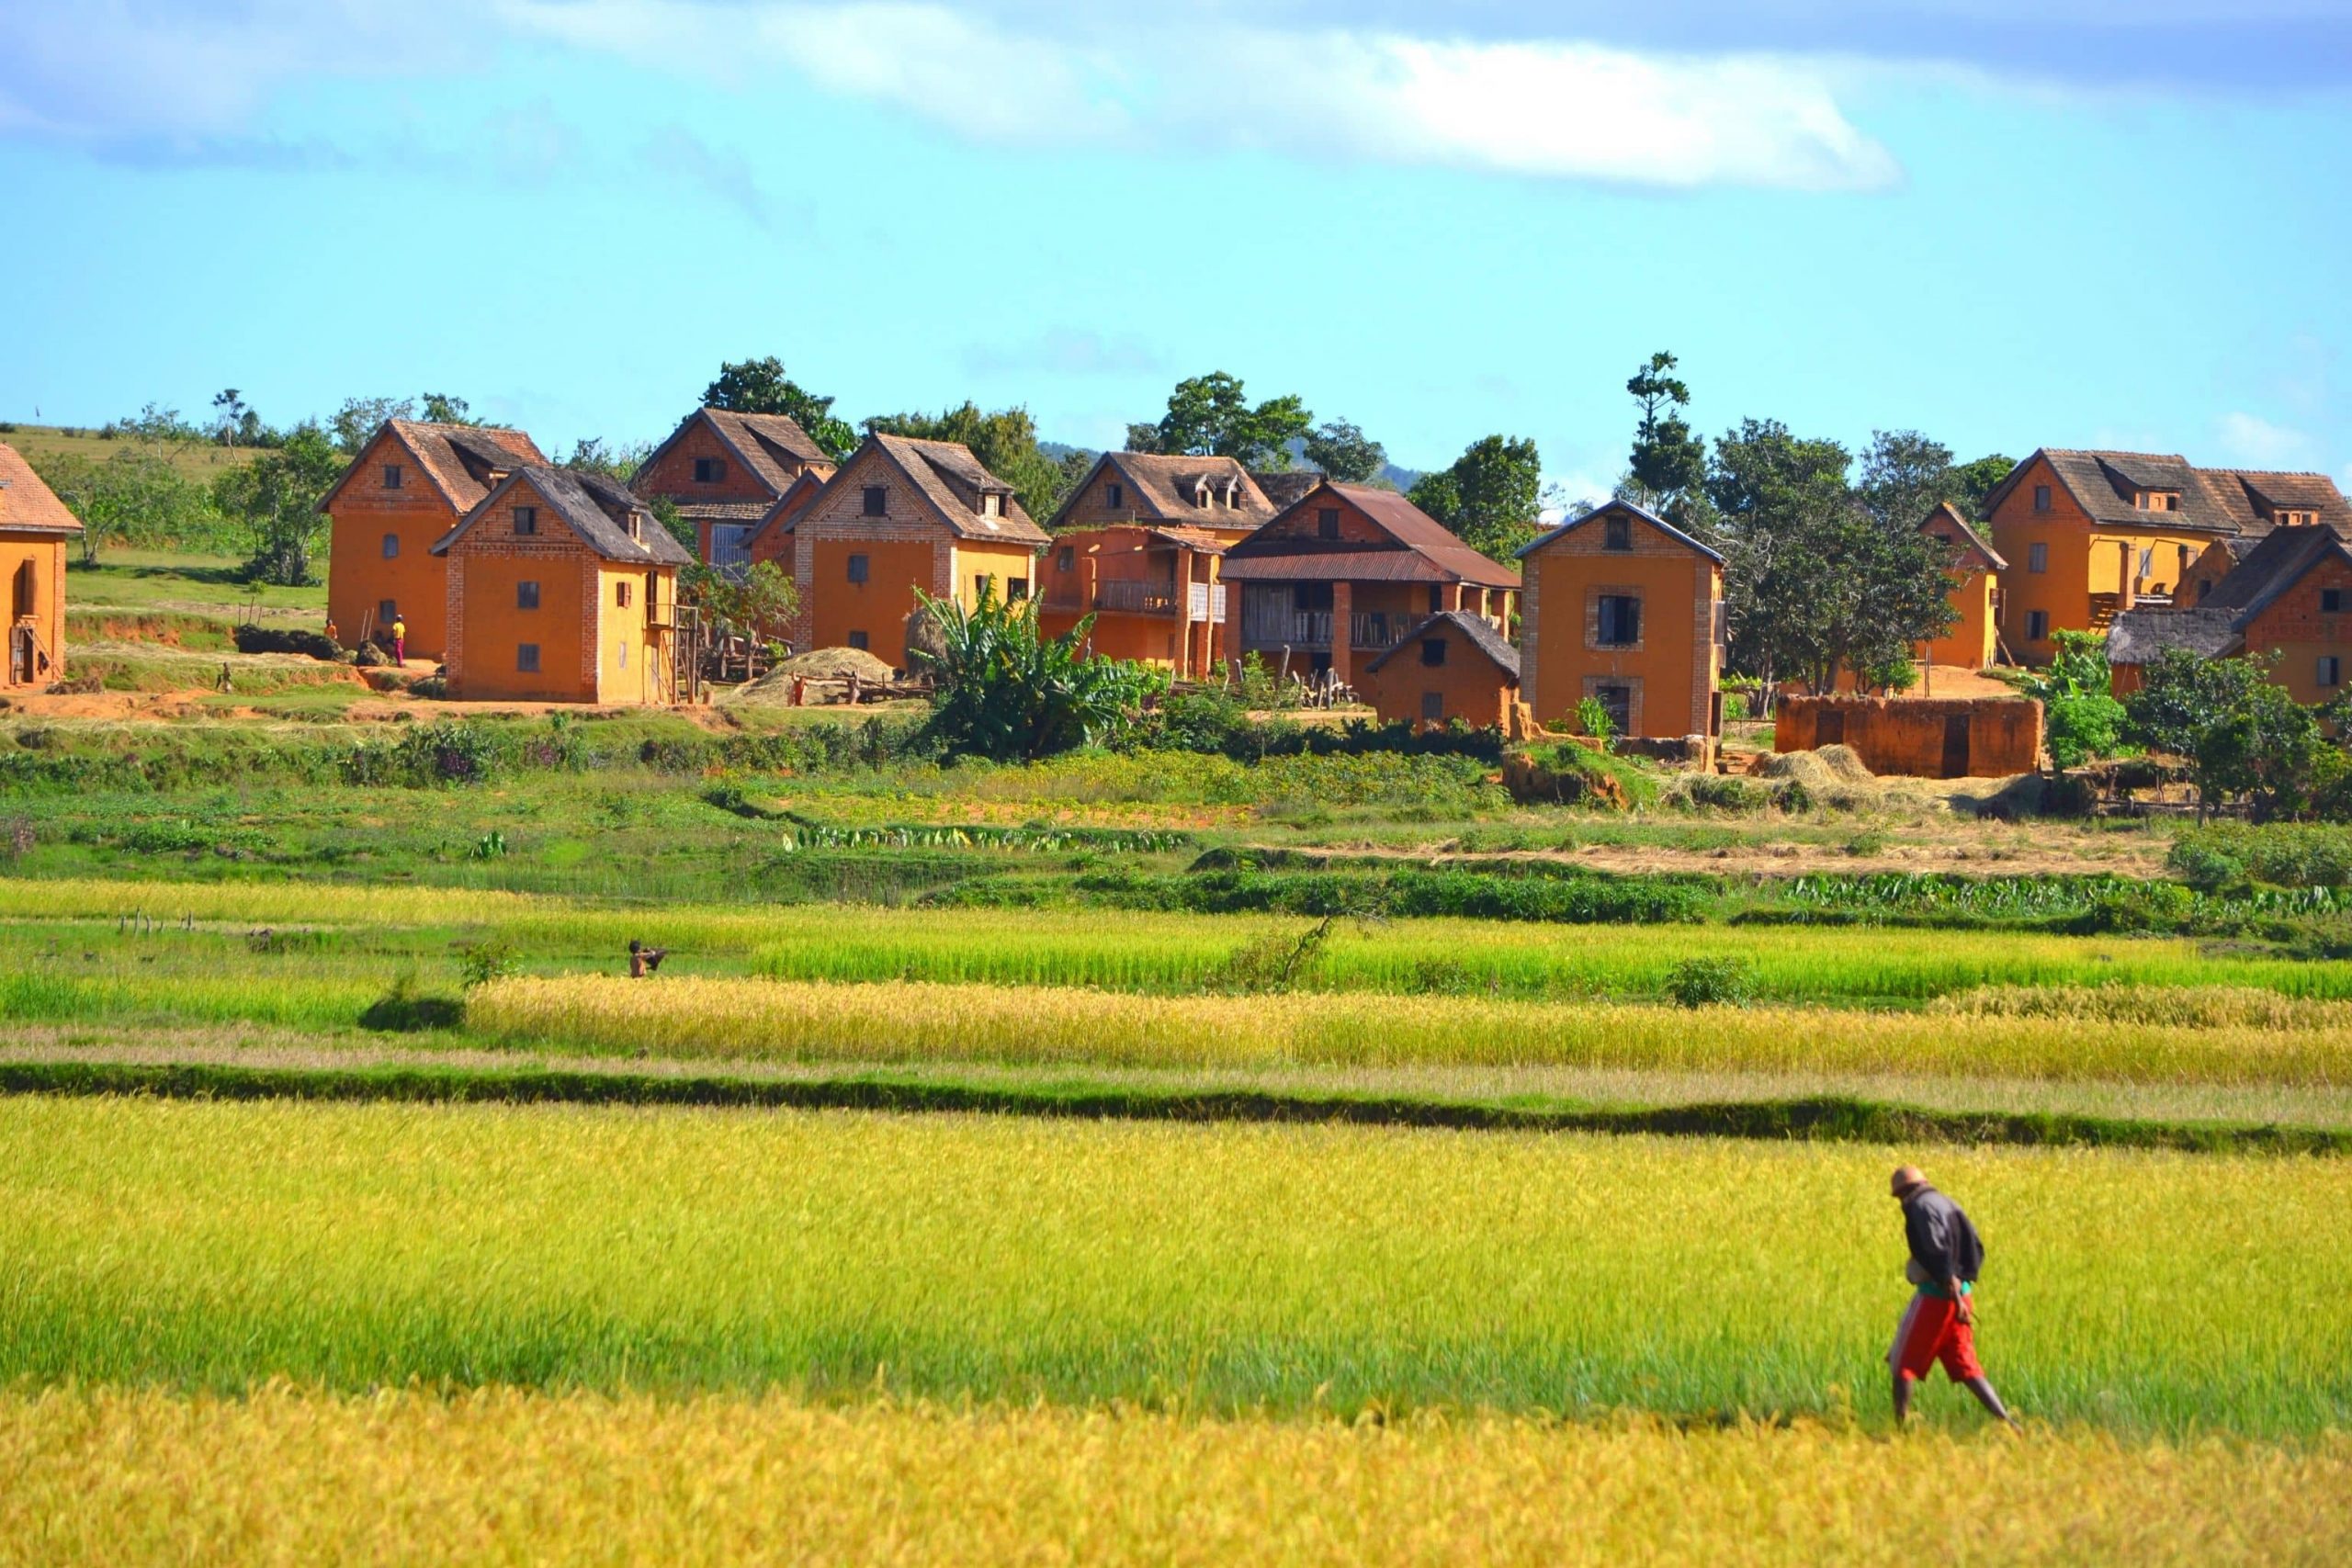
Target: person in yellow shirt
{"type": "Point", "coordinates": [400, 641]}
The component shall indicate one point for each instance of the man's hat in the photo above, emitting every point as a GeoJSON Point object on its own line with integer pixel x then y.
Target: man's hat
{"type": "Point", "coordinates": [1906, 1177]}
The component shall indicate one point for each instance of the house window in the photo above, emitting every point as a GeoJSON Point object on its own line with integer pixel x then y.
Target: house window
{"type": "Point", "coordinates": [391, 476]}
{"type": "Point", "coordinates": [878, 501]}
{"type": "Point", "coordinates": [2037, 558]}
{"type": "Point", "coordinates": [620, 595]}
{"type": "Point", "coordinates": [1436, 598]}
{"type": "Point", "coordinates": [859, 567]}
{"type": "Point", "coordinates": [1621, 621]}
{"type": "Point", "coordinates": [526, 658]}
{"type": "Point", "coordinates": [1617, 534]}
{"type": "Point", "coordinates": [1064, 558]}
{"type": "Point", "coordinates": [1016, 588]}
{"type": "Point", "coordinates": [992, 505]}
{"type": "Point", "coordinates": [2331, 600]}
{"type": "Point", "coordinates": [2331, 669]}
{"type": "Point", "coordinates": [983, 584]}
{"type": "Point", "coordinates": [387, 611]}
{"type": "Point", "coordinates": [391, 547]}
{"type": "Point", "coordinates": [1118, 495]}
{"type": "Point", "coordinates": [527, 520]}
{"type": "Point", "coordinates": [2037, 626]}
{"type": "Point", "coordinates": [621, 649]}
{"type": "Point", "coordinates": [709, 470]}
{"type": "Point", "coordinates": [857, 640]}
{"type": "Point", "coordinates": [1327, 522]}
{"type": "Point", "coordinates": [1433, 650]}
{"type": "Point", "coordinates": [636, 528]}
{"type": "Point", "coordinates": [2147, 560]}
{"type": "Point", "coordinates": [1433, 707]}
{"type": "Point", "coordinates": [2041, 497]}
{"type": "Point", "coordinates": [1618, 703]}
{"type": "Point", "coordinates": [527, 595]}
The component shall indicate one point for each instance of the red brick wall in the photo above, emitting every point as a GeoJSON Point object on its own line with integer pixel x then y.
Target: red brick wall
{"type": "Point", "coordinates": [2299, 633]}
{"type": "Point", "coordinates": [487, 624]}
{"type": "Point", "coordinates": [672, 473]}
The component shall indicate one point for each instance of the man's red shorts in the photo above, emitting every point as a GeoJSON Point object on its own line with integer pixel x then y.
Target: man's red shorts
{"type": "Point", "coordinates": [1933, 1332]}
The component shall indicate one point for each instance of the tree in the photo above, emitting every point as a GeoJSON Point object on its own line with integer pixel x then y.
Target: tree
{"type": "Point", "coordinates": [277, 496]}
{"type": "Point", "coordinates": [2242, 733]}
{"type": "Point", "coordinates": [356, 422]}
{"type": "Point", "coordinates": [440, 407]}
{"type": "Point", "coordinates": [1211, 416]}
{"type": "Point", "coordinates": [1343, 450]}
{"type": "Point", "coordinates": [1005, 441]}
{"type": "Point", "coordinates": [1761, 485]}
{"type": "Point", "coordinates": [1489, 497]}
{"type": "Point", "coordinates": [1904, 476]}
{"type": "Point", "coordinates": [160, 431]}
{"type": "Point", "coordinates": [230, 414]}
{"type": "Point", "coordinates": [1668, 464]}
{"type": "Point", "coordinates": [593, 455]}
{"type": "Point", "coordinates": [2081, 719]}
{"type": "Point", "coordinates": [134, 497]}
{"type": "Point", "coordinates": [759, 604]}
{"type": "Point", "coordinates": [761, 386]}
{"type": "Point", "coordinates": [1972, 482]}
{"type": "Point", "coordinates": [1007, 692]}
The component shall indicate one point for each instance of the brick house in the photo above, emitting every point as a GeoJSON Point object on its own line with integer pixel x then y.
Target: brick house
{"type": "Point", "coordinates": [34, 529]}
{"type": "Point", "coordinates": [725, 472]}
{"type": "Point", "coordinates": [904, 515]}
{"type": "Point", "coordinates": [2288, 603]}
{"type": "Point", "coordinates": [1137, 546]}
{"type": "Point", "coordinates": [1974, 572]}
{"type": "Point", "coordinates": [1453, 665]}
{"type": "Point", "coordinates": [1344, 572]}
{"type": "Point", "coordinates": [408, 486]}
{"type": "Point", "coordinates": [1624, 607]}
{"type": "Point", "coordinates": [2089, 534]}
{"type": "Point", "coordinates": [563, 587]}
{"type": "Point", "coordinates": [771, 538]}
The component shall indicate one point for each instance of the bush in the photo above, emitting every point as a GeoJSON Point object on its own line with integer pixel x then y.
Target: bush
{"type": "Point", "coordinates": [2282, 854]}
{"type": "Point", "coordinates": [278, 639]}
{"type": "Point", "coordinates": [1722, 792]}
{"type": "Point", "coordinates": [1712, 982]}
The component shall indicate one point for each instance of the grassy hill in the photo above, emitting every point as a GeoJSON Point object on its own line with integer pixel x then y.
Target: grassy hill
{"type": "Point", "coordinates": [202, 462]}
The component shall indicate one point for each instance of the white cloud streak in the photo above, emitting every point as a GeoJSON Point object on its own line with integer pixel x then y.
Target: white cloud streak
{"type": "Point", "coordinates": [1535, 108]}
{"type": "Point", "coordinates": [2257, 443]}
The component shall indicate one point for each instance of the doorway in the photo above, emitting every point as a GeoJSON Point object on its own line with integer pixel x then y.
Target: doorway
{"type": "Point", "coordinates": [1955, 763]}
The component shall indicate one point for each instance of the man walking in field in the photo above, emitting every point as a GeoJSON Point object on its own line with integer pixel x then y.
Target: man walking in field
{"type": "Point", "coordinates": [1940, 1324]}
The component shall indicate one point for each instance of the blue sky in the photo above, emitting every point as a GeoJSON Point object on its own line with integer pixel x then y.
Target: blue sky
{"type": "Point", "coordinates": [2007, 223]}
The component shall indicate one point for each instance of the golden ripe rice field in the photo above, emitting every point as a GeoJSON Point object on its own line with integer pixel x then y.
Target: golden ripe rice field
{"type": "Point", "coordinates": [97, 1476]}
{"type": "Point", "coordinates": [1230, 1269]}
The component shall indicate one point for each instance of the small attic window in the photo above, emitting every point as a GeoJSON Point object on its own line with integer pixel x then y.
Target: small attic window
{"type": "Point", "coordinates": [1617, 533]}
{"type": "Point", "coordinates": [636, 526]}
{"type": "Point", "coordinates": [391, 476]}
{"type": "Point", "coordinates": [992, 505]}
{"type": "Point", "coordinates": [1232, 492]}
{"type": "Point", "coordinates": [709, 470]}
{"type": "Point", "coordinates": [1116, 495]}
{"type": "Point", "coordinates": [1200, 492]}
{"type": "Point", "coordinates": [527, 520]}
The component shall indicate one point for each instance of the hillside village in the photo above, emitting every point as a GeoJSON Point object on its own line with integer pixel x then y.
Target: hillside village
{"type": "Point", "coordinates": [525, 580]}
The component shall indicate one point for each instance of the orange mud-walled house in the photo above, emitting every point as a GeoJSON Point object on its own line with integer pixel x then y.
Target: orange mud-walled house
{"type": "Point", "coordinates": [1974, 570]}
{"type": "Point", "coordinates": [1451, 666]}
{"type": "Point", "coordinates": [905, 514]}
{"type": "Point", "coordinates": [34, 529]}
{"type": "Point", "coordinates": [1625, 608]}
{"type": "Point", "coordinates": [408, 486]}
{"type": "Point", "coordinates": [563, 587]}
{"type": "Point", "coordinates": [725, 472]}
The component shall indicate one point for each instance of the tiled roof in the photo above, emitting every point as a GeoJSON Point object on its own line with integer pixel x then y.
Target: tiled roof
{"type": "Point", "coordinates": [1161, 489]}
{"type": "Point", "coordinates": [766, 443]}
{"type": "Point", "coordinates": [597, 509]}
{"type": "Point", "coordinates": [1429, 553]}
{"type": "Point", "coordinates": [2224, 500]}
{"type": "Point", "coordinates": [460, 460]}
{"type": "Point", "coordinates": [1606, 507]}
{"type": "Point", "coordinates": [724, 511]}
{"type": "Point", "coordinates": [26, 505]}
{"type": "Point", "coordinates": [2218, 623]}
{"type": "Point", "coordinates": [1947, 515]}
{"type": "Point", "coordinates": [954, 481]}
{"type": "Point", "coordinates": [1477, 629]}
{"type": "Point", "coordinates": [1285, 488]}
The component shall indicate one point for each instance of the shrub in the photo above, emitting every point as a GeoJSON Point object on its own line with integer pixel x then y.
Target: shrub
{"type": "Point", "coordinates": [1008, 691]}
{"type": "Point", "coordinates": [1722, 792]}
{"type": "Point", "coordinates": [280, 639]}
{"type": "Point", "coordinates": [2282, 854]}
{"type": "Point", "coordinates": [480, 962]}
{"type": "Point", "coordinates": [1712, 982]}
{"type": "Point", "coordinates": [1593, 720]}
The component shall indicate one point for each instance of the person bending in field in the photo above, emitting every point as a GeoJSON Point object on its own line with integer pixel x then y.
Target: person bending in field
{"type": "Point", "coordinates": [1940, 1323]}
{"type": "Point", "coordinates": [644, 960]}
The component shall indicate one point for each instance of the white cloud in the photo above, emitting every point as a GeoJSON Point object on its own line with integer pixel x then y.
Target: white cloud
{"type": "Point", "coordinates": [1544, 109]}
{"type": "Point", "coordinates": [2257, 443]}
{"type": "Point", "coordinates": [675, 153]}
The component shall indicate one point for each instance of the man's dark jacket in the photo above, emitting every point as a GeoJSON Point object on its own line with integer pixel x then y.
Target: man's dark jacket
{"type": "Point", "coordinates": [1942, 1241]}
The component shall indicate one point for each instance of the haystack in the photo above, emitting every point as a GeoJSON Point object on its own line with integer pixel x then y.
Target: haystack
{"type": "Point", "coordinates": [828, 669]}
